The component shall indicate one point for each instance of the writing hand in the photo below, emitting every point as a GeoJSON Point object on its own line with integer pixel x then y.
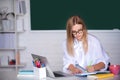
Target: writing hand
{"type": "Point", "coordinates": [90, 68]}
{"type": "Point", "coordinates": [74, 70]}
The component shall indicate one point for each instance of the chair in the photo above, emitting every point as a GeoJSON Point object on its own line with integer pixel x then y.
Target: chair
{"type": "Point", "coordinates": [108, 66]}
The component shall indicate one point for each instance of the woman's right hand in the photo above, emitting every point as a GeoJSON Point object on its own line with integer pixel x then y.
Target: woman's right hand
{"type": "Point", "coordinates": [73, 69]}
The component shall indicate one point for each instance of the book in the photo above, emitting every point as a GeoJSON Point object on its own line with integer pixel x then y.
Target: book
{"type": "Point", "coordinates": [20, 24]}
{"type": "Point", "coordinates": [85, 72]}
{"type": "Point", "coordinates": [4, 60]}
{"type": "Point", "coordinates": [100, 76]}
{"type": "Point", "coordinates": [26, 72]}
{"type": "Point", "coordinates": [20, 7]}
{"type": "Point", "coordinates": [7, 40]}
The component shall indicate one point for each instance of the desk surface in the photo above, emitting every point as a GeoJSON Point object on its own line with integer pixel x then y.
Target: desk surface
{"type": "Point", "coordinates": [12, 75]}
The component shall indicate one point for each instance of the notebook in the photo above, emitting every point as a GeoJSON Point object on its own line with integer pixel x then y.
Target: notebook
{"type": "Point", "coordinates": [50, 73]}
{"type": "Point", "coordinates": [85, 73]}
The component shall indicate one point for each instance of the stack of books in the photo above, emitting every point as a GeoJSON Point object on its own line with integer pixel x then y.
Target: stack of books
{"type": "Point", "coordinates": [25, 73]}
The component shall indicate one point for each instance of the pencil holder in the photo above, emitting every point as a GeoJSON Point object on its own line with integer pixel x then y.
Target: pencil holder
{"type": "Point", "coordinates": [40, 73]}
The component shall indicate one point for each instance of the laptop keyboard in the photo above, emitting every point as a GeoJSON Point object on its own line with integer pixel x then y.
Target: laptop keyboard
{"type": "Point", "coordinates": [58, 75]}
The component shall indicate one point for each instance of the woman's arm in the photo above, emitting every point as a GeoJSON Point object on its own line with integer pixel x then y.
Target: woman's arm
{"type": "Point", "coordinates": [99, 58]}
{"type": "Point", "coordinates": [73, 69]}
{"type": "Point", "coordinates": [96, 67]}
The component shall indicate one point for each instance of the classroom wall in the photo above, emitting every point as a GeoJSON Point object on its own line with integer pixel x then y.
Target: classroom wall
{"type": "Point", "coordinates": [49, 43]}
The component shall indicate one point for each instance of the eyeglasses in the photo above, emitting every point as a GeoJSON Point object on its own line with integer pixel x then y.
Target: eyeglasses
{"type": "Point", "coordinates": [79, 32]}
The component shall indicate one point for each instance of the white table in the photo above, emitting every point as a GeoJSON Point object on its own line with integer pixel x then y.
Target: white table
{"type": "Point", "coordinates": [12, 75]}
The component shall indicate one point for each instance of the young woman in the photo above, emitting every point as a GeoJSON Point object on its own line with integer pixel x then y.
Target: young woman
{"type": "Point", "coordinates": [82, 48]}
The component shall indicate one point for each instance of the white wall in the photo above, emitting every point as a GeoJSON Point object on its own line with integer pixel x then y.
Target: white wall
{"type": "Point", "coordinates": [49, 43]}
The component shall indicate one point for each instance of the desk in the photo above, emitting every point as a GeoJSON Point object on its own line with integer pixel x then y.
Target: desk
{"type": "Point", "coordinates": [12, 75]}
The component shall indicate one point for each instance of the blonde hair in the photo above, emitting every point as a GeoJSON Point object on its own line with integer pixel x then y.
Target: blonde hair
{"type": "Point", "coordinates": [70, 38]}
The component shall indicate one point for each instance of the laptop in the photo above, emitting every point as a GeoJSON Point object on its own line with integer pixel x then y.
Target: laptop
{"type": "Point", "coordinates": [50, 73]}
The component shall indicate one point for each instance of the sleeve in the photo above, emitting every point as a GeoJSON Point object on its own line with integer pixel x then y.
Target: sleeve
{"type": "Point", "coordinates": [67, 59]}
{"type": "Point", "coordinates": [101, 54]}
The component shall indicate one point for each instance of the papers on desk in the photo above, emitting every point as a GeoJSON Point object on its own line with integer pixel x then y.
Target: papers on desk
{"type": "Point", "coordinates": [85, 73]}
{"type": "Point", "coordinates": [90, 73]}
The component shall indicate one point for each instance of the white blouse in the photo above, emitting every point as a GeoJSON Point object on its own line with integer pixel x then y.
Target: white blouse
{"type": "Point", "coordinates": [94, 55]}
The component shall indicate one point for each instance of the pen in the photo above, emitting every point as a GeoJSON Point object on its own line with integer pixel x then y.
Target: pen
{"type": "Point", "coordinates": [33, 63]}
{"type": "Point", "coordinates": [81, 68]}
{"type": "Point", "coordinates": [90, 63]}
{"type": "Point", "coordinates": [37, 63]}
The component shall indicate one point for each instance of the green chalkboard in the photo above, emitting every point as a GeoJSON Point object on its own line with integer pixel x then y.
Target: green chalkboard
{"type": "Point", "coordinates": [53, 14]}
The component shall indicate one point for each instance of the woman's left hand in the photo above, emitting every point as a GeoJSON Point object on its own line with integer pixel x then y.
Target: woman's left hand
{"type": "Point", "coordinates": [90, 68]}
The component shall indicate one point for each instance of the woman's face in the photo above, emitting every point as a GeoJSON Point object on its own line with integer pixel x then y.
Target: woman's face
{"type": "Point", "coordinates": [77, 31]}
